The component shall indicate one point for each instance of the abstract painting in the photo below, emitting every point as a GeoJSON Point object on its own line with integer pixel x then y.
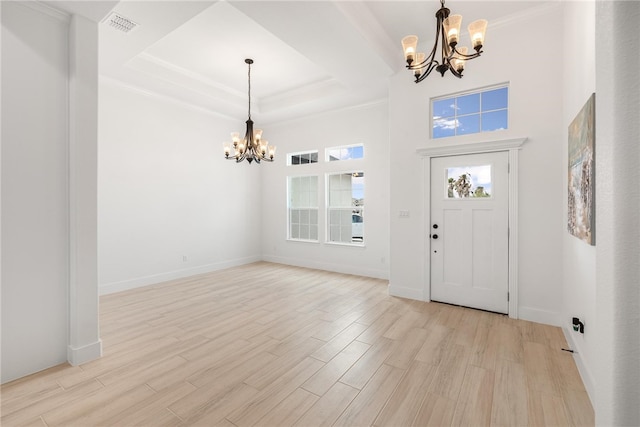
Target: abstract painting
{"type": "Point", "coordinates": [581, 179]}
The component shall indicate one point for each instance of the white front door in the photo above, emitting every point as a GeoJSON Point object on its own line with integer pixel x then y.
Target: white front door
{"type": "Point", "coordinates": [469, 230]}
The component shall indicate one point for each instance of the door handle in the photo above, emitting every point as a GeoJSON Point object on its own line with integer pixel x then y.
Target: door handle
{"type": "Point", "coordinates": [434, 236]}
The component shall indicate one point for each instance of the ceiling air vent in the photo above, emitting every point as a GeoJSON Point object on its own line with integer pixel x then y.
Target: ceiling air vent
{"type": "Point", "coordinates": [120, 23]}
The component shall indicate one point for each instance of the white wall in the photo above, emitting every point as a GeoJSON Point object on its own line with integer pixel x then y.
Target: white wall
{"type": "Point", "coordinates": [617, 367]}
{"type": "Point", "coordinates": [536, 113]}
{"type": "Point", "coordinates": [35, 212]}
{"type": "Point", "coordinates": [579, 258]}
{"type": "Point", "coordinates": [165, 191]}
{"type": "Point", "coordinates": [365, 124]}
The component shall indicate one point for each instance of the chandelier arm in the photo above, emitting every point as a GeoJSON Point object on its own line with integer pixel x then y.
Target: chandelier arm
{"type": "Point", "coordinates": [430, 62]}
{"type": "Point", "coordinates": [432, 55]}
{"type": "Point", "coordinates": [434, 64]}
{"type": "Point", "coordinates": [455, 72]}
{"type": "Point", "coordinates": [431, 59]}
{"type": "Point", "coordinates": [263, 157]}
{"type": "Point", "coordinates": [456, 54]}
{"type": "Point", "coordinates": [427, 65]}
{"type": "Point", "coordinates": [447, 51]}
{"type": "Point", "coordinates": [464, 55]}
{"type": "Point", "coordinates": [237, 158]}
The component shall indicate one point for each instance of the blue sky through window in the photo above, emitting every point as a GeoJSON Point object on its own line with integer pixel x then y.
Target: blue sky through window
{"type": "Point", "coordinates": [482, 111]}
{"type": "Point", "coordinates": [346, 153]}
{"type": "Point", "coordinates": [468, 104]}
{"type": "Point", "coordinates": [357, 186]}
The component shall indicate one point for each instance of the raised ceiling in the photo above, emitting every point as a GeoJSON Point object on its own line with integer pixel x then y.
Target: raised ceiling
{"type": "Point", "coordinates": [310, 56]}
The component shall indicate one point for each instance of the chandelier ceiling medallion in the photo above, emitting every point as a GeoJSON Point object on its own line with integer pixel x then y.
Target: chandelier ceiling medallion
{"type": "Point", "coordinates": [252, 146]}
{"type": "Point", "coordinates": [452, 56]}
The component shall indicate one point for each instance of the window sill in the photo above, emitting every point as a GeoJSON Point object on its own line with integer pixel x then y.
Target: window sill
{"type": "Point", "coordinates": [353, 244]}
{"type": "Point", "coordinates": [303, 241]}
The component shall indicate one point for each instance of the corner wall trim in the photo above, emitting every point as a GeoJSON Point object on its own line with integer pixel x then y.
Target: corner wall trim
{"type": "Point", "coordinates": [79, 355]}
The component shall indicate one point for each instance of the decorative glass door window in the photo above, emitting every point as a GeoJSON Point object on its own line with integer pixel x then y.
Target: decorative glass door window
{"type": "Point", "coordinates": [468, 182]}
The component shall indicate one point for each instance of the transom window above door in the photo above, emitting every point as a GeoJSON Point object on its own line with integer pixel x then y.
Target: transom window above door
{"type": "Point", "coordinates": [470, 112]}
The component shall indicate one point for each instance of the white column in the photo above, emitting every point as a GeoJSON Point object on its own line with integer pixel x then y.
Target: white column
{"type": "Point", "coordinates": [617, 375]}
{"type": "Point", "coordinates": [84, 336]}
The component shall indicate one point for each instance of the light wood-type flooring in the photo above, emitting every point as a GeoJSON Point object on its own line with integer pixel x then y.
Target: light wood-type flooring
{"type": "Point", "coordinates": [273, 345]}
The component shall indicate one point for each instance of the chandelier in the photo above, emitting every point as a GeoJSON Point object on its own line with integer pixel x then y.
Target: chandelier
{"type": "Point", "coordinates": [252, 146]}
{"type": "Point", "coordinates": [452, 56]}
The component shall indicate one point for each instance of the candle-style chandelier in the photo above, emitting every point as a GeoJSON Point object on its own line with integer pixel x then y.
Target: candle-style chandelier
{"type": "Point", "coordinates": [452, 56]}
{"type": "Point", "coordinates": [252, 147]}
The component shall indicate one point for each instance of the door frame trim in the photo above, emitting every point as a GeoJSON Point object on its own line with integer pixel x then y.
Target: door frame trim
{"type": "Point", "coordinates": [512, 146]}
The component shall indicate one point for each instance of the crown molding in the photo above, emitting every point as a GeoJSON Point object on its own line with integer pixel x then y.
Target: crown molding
{"type": "Point", "coordinates": [203, 86]}
{"type": "Point", "coordinates": [110, 81]}
{"type": "Point", "coordinates": [149, 59]}
{"type": "Point", "coordinates": [348, 108]}
{"type": "Point", "coordinates": [46, 9]}
{"type": "Point", "coordinates": [361, 17]}
{"type": "Point", "coordinates": [543, 9]}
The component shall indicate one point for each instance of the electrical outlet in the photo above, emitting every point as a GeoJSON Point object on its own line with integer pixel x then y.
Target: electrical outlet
{"type": "Point", "coordinates": [184, 258]}
{"type": "Point", "coordinates": [578, 326]}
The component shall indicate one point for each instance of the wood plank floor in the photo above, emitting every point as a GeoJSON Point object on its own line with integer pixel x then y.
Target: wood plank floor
{"type": "Point", "coordinates": [273, 345]}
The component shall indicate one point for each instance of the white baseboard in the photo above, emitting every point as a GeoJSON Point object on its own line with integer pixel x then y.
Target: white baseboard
{"type": "Point", "coordinates": [585, 373]}
{"type": "Point", "coordinates": [125, 285]}
{"type": "Point", "coordinates": [338, 268]}
{"type": "Point", "coordinates": [79, 355]}
{"type": "Point", "coordinates": [404, 292]}
{"type": "Point", "coordinates": [540, 316]}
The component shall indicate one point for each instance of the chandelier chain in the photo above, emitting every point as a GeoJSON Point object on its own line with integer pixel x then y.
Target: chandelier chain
{"type": "Point", "coordinates": [249, 78]}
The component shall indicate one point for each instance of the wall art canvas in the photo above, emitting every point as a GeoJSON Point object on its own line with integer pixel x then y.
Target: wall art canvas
{"type": "Point", "coordinates": [581, 204]}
